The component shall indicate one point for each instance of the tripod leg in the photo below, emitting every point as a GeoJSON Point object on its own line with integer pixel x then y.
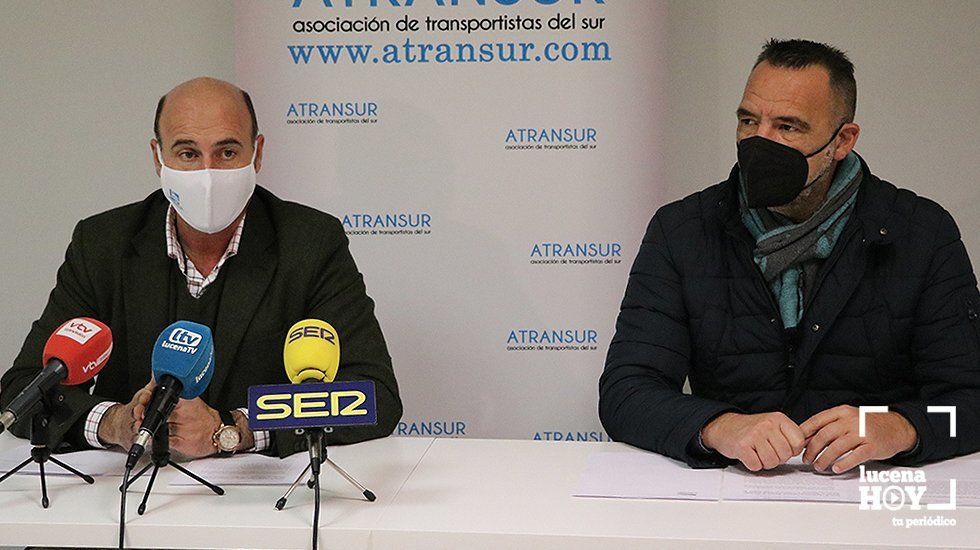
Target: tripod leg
{"type": "Point", "coordinates": [86, 477]}
{"type": "Point", "coordinates": [149, 487]}
{"type": "Point", "coordinates": [44, 486]}
{"type": "Point", "coordinates": [17, 469]}
{"type": "Point", "coordinates": [135, 477]}
{"type": "Point", "coordinates": [217, 490]}
{"type": "Point", "coordinates": [367, 493]}
{"type": "Point", "coordinates": [281, 503]}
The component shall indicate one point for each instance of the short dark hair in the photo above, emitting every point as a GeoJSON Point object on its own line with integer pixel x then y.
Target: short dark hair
{"type": "Point", "coordinates": [799, 54]}
{"type": "Point", "coordinates": [248, 105]}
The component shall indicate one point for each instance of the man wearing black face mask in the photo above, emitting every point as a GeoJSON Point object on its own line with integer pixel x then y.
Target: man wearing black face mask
{"type": "Point", "coordinates": [794, 292]}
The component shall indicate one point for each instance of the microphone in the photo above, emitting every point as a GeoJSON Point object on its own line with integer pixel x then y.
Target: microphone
{"type": "Point", "coordinates": [311, 352]}
{"type": "Point", "coordinates": [182, 362]}
{"type": "Point", "coordinates": [313, 401]}
{"type": "Point", "coordinates": [73, 355]}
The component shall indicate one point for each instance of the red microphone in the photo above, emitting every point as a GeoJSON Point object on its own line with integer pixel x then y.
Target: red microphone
{"type": "Point", "coordinates": [73, 355]}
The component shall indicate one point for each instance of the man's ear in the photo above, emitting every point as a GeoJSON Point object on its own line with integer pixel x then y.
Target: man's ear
{"type": "Point", "coordinates": [848, 137]}
{"type": "Point", "coordinates": [157, 162]}
{"type": "Point", "coordinates": [259, 147]}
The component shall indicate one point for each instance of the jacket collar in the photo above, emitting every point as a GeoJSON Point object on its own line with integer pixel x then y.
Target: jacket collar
{"type": "Point", "coordinates": [878, 223]}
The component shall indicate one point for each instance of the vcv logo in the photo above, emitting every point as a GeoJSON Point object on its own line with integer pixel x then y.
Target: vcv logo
{"type": "Point", "coordinates": [282, 406]}
{"type": "Point", "coordinates": [905, 488]}
{"type": "Point", "coordinates": [79, 330]}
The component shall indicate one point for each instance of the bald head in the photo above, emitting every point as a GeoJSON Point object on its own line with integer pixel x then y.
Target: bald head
{"type": "Point", "coordinates": [207, 98]}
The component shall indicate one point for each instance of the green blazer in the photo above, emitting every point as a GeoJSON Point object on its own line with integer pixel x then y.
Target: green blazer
{"type": "Point", "coordinates": [293, 263]}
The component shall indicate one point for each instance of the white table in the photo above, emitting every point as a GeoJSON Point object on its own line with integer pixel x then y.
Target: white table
{"type": "Point", "coordinates": [449, 493]}
{"type": "Point", "coordinates": [83, 515]}
{"type": "Point", "coordinates": [478, 494]}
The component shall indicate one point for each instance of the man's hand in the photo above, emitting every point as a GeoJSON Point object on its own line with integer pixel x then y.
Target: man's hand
{"type": "Point", "coordinates": [192, 424]}
{"type": "Point", "coordinates": [120, 422]}
{"type": "Point", "coordinates": [759, 441]}
{"type": "Point", "coordinates": [833, 440]}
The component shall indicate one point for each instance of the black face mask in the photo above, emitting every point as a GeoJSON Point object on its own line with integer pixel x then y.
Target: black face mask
{"type": "Point", "coordinates": [775, 174]}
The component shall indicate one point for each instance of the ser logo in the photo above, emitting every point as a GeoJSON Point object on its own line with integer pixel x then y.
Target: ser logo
{"type": "Point", "coordinates": [281, 406]}
{"type": "Point", "coordinates": [311, 331]}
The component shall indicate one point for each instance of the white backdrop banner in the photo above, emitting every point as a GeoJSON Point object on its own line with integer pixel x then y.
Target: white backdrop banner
{"type": "Point", "coordinates": [494, 163]}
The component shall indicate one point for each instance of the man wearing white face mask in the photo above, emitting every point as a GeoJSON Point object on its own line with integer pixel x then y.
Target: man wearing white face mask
{"type": "Point", "coordinates": [212, 247]}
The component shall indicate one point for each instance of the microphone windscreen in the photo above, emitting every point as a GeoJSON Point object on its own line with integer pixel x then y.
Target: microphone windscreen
{"type": "Point", "coordinates": [185, 350]}
{"type": "Point", "coordinates": [311, 352]}
{"type": "Point", "coordinates": [83, 345]}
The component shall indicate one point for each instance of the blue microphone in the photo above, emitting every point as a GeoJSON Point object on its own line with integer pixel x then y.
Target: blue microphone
{"type": "Point", "coordinates": [182, 363]}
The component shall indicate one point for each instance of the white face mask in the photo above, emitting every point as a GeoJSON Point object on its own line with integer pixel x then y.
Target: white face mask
{"type": "Point", "coordinates": [209, 199]}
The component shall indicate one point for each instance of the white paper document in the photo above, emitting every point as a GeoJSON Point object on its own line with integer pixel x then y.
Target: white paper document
{"type": "Point", "coordinates": [793, 481]}
{"type": "Point", "coordinates": [94, 462]}
{"type": "Point", "coordinates": [643, 475]}
{"type": "Point", "coordinates": [629, 474]}
{"type": "Point", "coordinates": [246, 469]}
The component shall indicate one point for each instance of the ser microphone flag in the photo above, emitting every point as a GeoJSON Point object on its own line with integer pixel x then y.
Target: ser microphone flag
{"type": "Point", "coordinates": [74, 353]}
{"type": "Point", "coordinates": [311, 357]}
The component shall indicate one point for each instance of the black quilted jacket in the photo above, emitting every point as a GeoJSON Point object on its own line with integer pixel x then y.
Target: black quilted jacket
{"type": "Point", "coordinates": [892, 320]}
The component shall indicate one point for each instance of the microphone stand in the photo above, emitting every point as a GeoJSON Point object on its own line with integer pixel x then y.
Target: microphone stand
{"type": "Point", "coordinates": [160, 458]}
{"type": "Point", "coordinates": [318, 455]}
{"type": "Point", "coordinates": [40, 453]}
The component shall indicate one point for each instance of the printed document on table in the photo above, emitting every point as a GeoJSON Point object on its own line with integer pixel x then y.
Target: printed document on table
{"type": "Point", "coordinates": [247, 469]}
{"type": "Point", "coordinates": [643, 475]}
{"type": "Point", "coordinates": [793, 481]}
{"type": "Point", "coordinates": [628, 474]}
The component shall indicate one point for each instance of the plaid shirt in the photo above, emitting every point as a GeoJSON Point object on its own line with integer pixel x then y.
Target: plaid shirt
{"type": "Point", "coordinates": [196, 285]}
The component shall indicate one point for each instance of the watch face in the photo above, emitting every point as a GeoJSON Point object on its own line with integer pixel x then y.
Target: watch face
{"type": "Point", "coordinates": [228, 438]}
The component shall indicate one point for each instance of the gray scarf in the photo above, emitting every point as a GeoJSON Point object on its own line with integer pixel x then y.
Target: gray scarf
{"type": "Point", "coordinates": [789, 254]}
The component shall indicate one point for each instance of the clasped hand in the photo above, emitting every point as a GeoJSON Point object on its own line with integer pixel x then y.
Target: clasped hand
{"type": "Point", "coordinates": [192, 424]}
{"type": "Point", "coordinates": [828, 439]}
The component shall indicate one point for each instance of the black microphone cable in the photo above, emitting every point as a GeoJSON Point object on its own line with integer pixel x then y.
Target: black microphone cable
{"type": "Point", "coordinates": [122, 508]}
{"type": "Point", "coordinates": [316, 508]}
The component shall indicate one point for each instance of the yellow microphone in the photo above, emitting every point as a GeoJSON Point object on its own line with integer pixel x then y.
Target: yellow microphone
{"type": "Point", "coordinates": [311, 352]}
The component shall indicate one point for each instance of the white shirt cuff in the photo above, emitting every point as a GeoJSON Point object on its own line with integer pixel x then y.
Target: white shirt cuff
{"type": "Point", "coordinates": [92, 422]}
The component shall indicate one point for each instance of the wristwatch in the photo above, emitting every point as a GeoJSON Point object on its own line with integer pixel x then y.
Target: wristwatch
{"type": "Point", "coordinates": [227, 437]}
